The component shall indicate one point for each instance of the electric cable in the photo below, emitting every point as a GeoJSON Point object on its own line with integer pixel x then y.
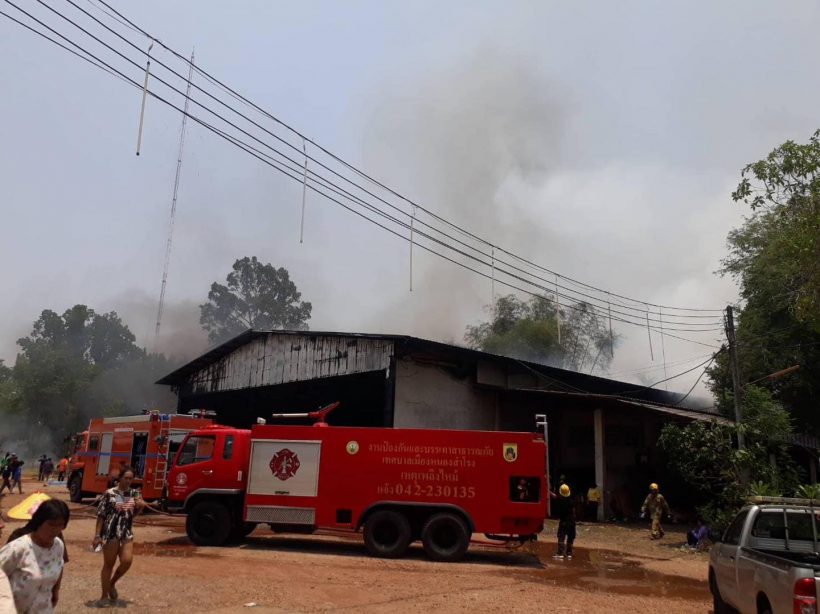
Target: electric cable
{"type": "Point", "coordinates": [236, 142]}
{"type": "Point", "coordinates": [364, 175]}
{"type": "Point", "coordinates": [294, 162]}
{"type": "Point", "coordinates": [666, 379]}
{"type": "Point", "coordinates": [642, 312]}
{"type": "Point", "coordinates": [705, 369]}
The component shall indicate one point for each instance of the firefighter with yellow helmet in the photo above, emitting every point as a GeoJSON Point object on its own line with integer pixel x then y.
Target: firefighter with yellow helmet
{"type": "Point", "coordinates": [562, 507]}
{"type": "Point", "coordinates": [656, 506]}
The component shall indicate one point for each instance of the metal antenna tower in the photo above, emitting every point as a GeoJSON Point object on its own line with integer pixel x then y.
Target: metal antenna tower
{"type": "Point", "coordinates": [167, 262]}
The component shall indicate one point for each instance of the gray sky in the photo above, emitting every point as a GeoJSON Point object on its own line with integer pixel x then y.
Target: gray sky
{"type": "Point", "coordinates": [601, 139]}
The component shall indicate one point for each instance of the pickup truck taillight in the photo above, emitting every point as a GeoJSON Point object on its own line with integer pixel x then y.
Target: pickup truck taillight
{"type": "Point", "coordinates": [805, 597]}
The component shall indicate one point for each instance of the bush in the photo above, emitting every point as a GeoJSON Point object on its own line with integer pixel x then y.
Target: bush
{"type": "Point", "coordinates": [705, 456]}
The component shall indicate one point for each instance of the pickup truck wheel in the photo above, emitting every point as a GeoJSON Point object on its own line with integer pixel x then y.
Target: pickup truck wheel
{"type": "Point", "coordinates": [208, 524]}
{"type": "Point", "coordinates": [75, 489]}
{"type": "Point", "coordinates": [387, 534]}
{"type": "Point", "coordinates": [446, 537]}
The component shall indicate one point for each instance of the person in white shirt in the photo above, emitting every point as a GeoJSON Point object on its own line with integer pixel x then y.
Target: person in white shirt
{"type": "Point", "coordinates": [34, 561]}
{"type": "Point", "coordinates": [6, 598]}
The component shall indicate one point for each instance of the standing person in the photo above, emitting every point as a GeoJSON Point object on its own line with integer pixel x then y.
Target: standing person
{"type": "Point", "coordinates": [5, 474]}
{"type": "Point", "coordinates": [41, 461]}
{"type": "Point", "coordinates": [48, 469]}
{"type": "Point", "coordinates": [656, 506]}
{"type": "Point", "coordinates": [34, 561]}
{"type": "Point", "coordinates": [62, 467]}
{"type": "Point", "coordinates": [562, 507]}
{"type": "Point", "coordinates": [16, 473]}
{"type": "Point", "coordinates": [115, 518]}
{"type": "Point", "coordinates": [593, 499]}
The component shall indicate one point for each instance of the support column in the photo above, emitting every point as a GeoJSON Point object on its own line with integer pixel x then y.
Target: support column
{"type": "Point", "coordinates": [600, 464]}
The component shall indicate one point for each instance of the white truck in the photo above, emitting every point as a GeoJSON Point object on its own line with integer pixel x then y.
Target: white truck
{"type": "Point", "coordinates": [767, 561]}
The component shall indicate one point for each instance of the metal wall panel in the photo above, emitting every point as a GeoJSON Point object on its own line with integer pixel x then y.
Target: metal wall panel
{"type": "Point", "coordinates": [278, 359]}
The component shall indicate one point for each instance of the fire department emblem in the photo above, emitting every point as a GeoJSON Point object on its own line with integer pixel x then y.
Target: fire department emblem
{"type": "Point", "coordinates": [182, 479]}
{"type": "Point", "coordinates": [510, 452]}
{"type": "Point", "coordinates": [352, 447]}
{"type": "Point", "coordinates": [284, 464]}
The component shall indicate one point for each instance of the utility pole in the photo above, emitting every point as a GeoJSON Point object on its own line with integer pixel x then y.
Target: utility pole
{"type": "Point", "coordinates": [734, 361]}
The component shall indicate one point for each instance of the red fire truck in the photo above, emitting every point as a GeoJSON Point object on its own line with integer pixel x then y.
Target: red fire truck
{"type": "Point", "coordinates": [395, 485]}
{"type": "Point", "coordinates": [147, 443]}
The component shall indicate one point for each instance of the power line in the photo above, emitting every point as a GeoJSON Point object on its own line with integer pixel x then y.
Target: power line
{"type": "Point", "coordinates": [364, 175]}
{"type": "Point", "coordinates": [656, 366]}
{"type": "Point", "coordinates": [299, 178]}
{"type": "Point", "coordinates": [666, 379]}
{"type": "Point", "coordinates": [705, 369]}
{"type": "Point", "coordinates": [59, 44]}
{"type": "Point", "coordinates": [340, 191]}
{"type": "Point", "coordinates": [604, 302]}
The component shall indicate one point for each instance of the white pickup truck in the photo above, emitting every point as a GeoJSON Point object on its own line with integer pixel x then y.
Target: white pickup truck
{"type": "Point", "coordinates": [767, 561]}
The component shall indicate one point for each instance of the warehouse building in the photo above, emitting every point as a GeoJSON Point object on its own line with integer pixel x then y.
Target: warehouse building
{"type": "Point", "coordinates": [601, 431]}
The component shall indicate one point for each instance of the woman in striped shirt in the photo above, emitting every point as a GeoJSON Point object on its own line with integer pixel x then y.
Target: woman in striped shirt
{"type": "Point", "coordinates": [115, 519]}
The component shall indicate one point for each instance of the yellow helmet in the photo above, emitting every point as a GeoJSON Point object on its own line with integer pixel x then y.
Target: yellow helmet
{"type": "Point", "coordinates": [653, 486]}
{"type": "Point", "coordinates": [564, 490]}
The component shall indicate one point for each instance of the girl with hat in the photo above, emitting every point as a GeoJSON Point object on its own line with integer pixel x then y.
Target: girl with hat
{"type": "Point", "coordinates": [34, 560]}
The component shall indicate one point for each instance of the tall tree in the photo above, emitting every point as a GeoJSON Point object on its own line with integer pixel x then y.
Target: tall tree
{"type": "Point", "coordinates": [256, 295]}
{"type": "Point", "coordinates": [55, 371]}
{"type": "Point", "coordinates": [100, 339]}
{"type": "Point", "coordinates": [775, 259]}
{"type": "Point", "coordinates": [530, 330]}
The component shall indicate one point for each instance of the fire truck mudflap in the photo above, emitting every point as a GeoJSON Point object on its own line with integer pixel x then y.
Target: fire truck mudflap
{"type": "Point", "coordinates": [396, 486]}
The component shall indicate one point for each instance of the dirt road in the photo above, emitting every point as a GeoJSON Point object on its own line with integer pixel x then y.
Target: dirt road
{"type": "Point", "coordinates": [615, 569]}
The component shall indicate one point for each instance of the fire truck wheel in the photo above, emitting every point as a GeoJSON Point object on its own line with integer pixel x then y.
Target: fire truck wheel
{"type": "Point", "coordinates": [387, 534]}
{"type": "Point", "coordinates": [445, 537]}
{"type": "Point", "coordinates": [242, 529]}
{"type": "Point", "coordinates": [208, 524]}
{"type": "Point", "coordinates": [75, 489]}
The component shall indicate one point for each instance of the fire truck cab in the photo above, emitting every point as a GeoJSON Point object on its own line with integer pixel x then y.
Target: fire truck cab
{"type": "Point", "coordinates": [395, 485]}
{"type": "Point", "coordinates": [147, 443]}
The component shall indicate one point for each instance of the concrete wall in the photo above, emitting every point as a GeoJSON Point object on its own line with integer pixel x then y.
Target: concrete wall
{"type": "Point", "coordinates": [428, 396]}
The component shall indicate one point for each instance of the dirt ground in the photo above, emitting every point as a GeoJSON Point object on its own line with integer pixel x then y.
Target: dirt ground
{"type": "Point", "coordinates": [615, 568]}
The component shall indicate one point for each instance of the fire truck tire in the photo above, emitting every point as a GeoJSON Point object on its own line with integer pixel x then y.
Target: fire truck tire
{"type": "Point", "coordinates": [242, 529]}
{"type": "Point", "coordinates": [445, 537]}
{"type": "Point", "coordinates": [208, 524]}
{"type": "Point", "coordinates": [75, 489]}
{"type": "Point", "coordinates": [387, 534]}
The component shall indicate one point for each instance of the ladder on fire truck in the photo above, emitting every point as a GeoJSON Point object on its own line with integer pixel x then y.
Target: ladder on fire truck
{"type": "Point", "coordinates": [164, 440]}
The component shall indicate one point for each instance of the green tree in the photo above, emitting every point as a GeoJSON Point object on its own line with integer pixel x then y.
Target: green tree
{"type": "Point", "coordinates": [257, 296]}
{"type": "Point", "coordinates": [529, 330]}
{"type": "Point", "coordinates": [720, 476]}
{"type": "Point", "coordinates": [775, 259]}
{"type": "Point", "coordinates": [8, 390]}
{"type": "Point", "coordinates": [99, 339]}
{"type": "Point", "coordinates": [59, 361]}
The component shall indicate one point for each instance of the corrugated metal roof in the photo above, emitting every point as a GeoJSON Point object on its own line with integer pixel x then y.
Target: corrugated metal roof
{"type": "Point", "coordinates": [689, 414]}
{"type": "Point", "coordinates": [556, 377]}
